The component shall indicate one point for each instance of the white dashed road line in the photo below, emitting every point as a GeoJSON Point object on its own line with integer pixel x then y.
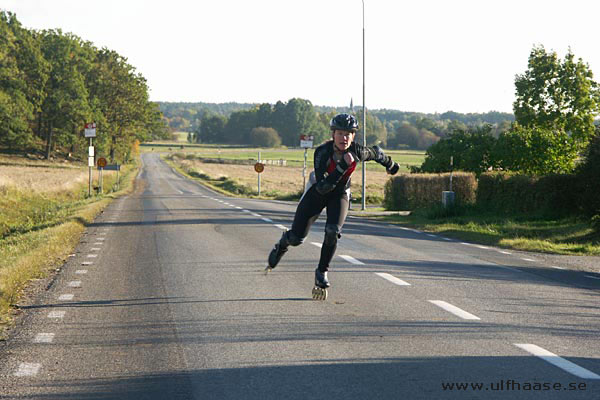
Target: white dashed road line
{"type": "Point", "coordinates": [528, 259]}
{"type": "Point", "coordinates": [75, 284]}
{"type": "Point", "coordinates": [351, 259]}
{"type": "Point", "coordinates": [392, 279]}
{"type": "Point", "coordinates": [81, 271]}
{"type": "Point", "coordinates": [504, 252]}
{"type": "Point", "coordinates": [454, 310]}
{"type": "Point", "coordinates": [267, 220]}
{"type": "Point", "coordinates": [319, 245]}
{"type": "Point", "coordinates": [92, 255]}
{"type": "Point", "coordinates": [557, 361]}
{"type": "Point", "coordinates": [66, 297]}
{"type": "Point", "coordinates": [56, 314]}
{"type": "Point", "coordinates": [28, 369]}
{"type": "Point", "coordinates": [44, 338]}
{"type": "Point", "coordinates": [87, 263]}
{"type": "Point", "coordinates": [281, 227]}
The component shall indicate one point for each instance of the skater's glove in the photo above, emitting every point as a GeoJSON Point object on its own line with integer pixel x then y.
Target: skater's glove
{"type": "Point", "coordinates": [393, 170]}
{"type": "Point", "coordinates": [379, 154]}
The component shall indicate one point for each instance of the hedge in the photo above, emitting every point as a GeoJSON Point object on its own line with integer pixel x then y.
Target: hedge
{"type": "Point", "coordinates": [554, 194]}
{"type": "Point", "coordinates": [410, 191]}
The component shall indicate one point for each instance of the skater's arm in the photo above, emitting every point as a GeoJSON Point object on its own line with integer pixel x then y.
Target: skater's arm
{"type": "Point", "coordinates": [375, 153]}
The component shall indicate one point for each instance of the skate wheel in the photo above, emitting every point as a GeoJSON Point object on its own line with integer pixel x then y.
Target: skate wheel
{"type": "Point", "coordinates": [268, 269]}
{"type": "Point", "coordinates": [319, 293]}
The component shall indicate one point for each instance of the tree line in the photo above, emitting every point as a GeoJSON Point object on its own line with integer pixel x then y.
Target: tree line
{"type": "Point", "coordinates": [283, 122]}
{"type": "Point", "coordinates": [53, 83]}
{"type": "Point", "coordinates": [556, 109]}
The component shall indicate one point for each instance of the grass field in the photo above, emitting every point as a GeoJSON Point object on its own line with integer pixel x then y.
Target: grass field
{"type": "Point", "coordinates": [43, 211]}
{"type": "Point", "coordinates": [277, 182]}
{"type": "Point", "coordinates": [292, 156]}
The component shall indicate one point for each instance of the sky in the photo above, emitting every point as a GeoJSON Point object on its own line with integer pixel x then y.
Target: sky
{"type": "Point", "coordinates": [423, 56]}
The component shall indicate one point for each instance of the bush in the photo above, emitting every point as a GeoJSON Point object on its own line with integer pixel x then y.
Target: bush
{"type": "Point", "coordinates": [265, 137]}
{"type": "Point", "coordinates": [411, 191]}
{"type": "Point", "coordinates": [589, 174]}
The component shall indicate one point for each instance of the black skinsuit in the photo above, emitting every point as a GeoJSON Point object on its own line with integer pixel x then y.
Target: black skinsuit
{"type": "Point", "coordinates": [331, 191]}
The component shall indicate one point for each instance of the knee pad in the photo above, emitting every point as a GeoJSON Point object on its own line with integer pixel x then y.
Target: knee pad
{"type": "Point", "coordinates": [332, 234]}
{"type": "Point", "coordinates": [293, 239]}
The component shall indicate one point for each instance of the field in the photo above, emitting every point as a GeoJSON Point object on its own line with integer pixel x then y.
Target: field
{"type": "Point", "coordinates": [292, 156]}
{"type": "Point", "coordinates": [43, 211]}
{"type": "Point", "coordinates": [281, 182]}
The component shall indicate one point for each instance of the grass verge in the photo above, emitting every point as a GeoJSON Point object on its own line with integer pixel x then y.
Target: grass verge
{"type": "Point", "coordinates": [568, 236]}
{"type": "Point", "coordinates": [34, 245]}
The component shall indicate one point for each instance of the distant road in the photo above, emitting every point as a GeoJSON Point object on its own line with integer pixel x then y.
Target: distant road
{"type": "Point", "coordinates": [166, 298]}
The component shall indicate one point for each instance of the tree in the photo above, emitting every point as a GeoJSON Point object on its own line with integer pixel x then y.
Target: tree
{"type": "Point", "coordinates": [471, 150]}
{"type": "Point", "coordinates": [536, 150]}
{"type": "Point", "coordinates": [265, 137]}
{"type": "Point", "coordinates": [557, 94]}
{"type": "Point", "coordinates": [212, 128]}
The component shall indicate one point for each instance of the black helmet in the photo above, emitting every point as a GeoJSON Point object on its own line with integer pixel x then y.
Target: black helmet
{"type": "Point", "coordinates": [344, 122]}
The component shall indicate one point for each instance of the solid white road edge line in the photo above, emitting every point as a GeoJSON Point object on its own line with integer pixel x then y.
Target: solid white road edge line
{"type": "Point", "coordinates": [557, 361]}
{"type": "Point", "coordinates": [454, 310]}
{"type": "Point", "coordinates": [392, 279]}
{"type": "Point", "coordinates": [592, 277]}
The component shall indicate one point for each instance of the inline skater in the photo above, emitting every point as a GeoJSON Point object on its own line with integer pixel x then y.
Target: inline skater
{"type": "Point", "coordinates": [329, 187]}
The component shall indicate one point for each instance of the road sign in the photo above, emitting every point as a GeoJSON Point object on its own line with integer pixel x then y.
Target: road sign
{"type": "Point", "coordinates": [90, 130]}
{"type": "Point", "coordinates": [102, 162]}
{"type": "Point", "coordinates": [90, 162]}
{"type": "Point", "coordinates": [259, 167]}
{"type": "Point", "coordinates": [306, 141]}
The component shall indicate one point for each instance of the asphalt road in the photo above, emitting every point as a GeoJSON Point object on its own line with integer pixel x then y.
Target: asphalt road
{"type": "Point", "coordinates": [166, 298]}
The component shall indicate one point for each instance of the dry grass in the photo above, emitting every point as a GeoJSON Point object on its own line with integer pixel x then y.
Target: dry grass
{"type": "Point", "coordinates": [40, 176]}
{"type": "Point", "coordinates": [281, 179]}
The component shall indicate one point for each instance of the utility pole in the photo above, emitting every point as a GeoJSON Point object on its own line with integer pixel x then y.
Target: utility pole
{"type": "Point", "coordinates": [364, 176]}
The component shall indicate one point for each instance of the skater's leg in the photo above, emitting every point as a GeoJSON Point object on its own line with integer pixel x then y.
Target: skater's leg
{"type": "Point", "coordinates": [307, 213]}
{"type": "Point", "coordinates": [337, 210]}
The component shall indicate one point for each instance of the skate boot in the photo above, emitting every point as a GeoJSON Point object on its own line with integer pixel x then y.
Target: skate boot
{"type": "Point", "coordinates": [278, 251]}
{"type": "Point", "coordinates": [319, 292]}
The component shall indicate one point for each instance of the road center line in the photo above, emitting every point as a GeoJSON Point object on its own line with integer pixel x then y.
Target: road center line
{"type": "Point", "coordinates": [392, 279]}
{"type": "Point", "coordinates": [557, 361]}
{"type": "Point", "coordinates": [453, 309]}
{"type": "Point", "coordinates": [351, 259]}
{"type": "Point", "coordinates": [28, 369]}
